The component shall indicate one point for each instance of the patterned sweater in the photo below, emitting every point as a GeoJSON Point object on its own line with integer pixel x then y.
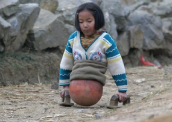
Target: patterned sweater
{"type": "Point", "coordinates": [102, 49]}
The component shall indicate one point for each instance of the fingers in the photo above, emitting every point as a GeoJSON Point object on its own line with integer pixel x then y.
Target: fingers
{"type": "Point", "coordinates": [62, 94]}
{"type": "Point", "coordinates": [122, 97]}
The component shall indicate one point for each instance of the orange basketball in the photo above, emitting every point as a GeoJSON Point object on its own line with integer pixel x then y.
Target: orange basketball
{"type": "Point", "coordinates": [85, 92]}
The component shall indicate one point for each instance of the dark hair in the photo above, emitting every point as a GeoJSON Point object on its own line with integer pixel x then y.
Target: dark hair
{"type": "Point", "coordinates": [96, 12]}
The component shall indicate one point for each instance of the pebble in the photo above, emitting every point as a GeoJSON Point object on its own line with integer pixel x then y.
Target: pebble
{"type": "Point", "coordinates": [79, 111]}
{"type": "Point", "coordinates": [8, 103]}
{"type": "Point", "coordinates": [98, 116]}
{"type": "Point", "coordinates": [55, 85]}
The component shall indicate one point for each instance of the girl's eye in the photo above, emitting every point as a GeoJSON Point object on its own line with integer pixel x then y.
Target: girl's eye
{"type": "Point", "coordinates": [89, 21]}
{"type": "Point", "coordinates": [80, 22]}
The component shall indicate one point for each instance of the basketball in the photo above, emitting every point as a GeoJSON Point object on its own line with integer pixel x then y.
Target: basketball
{"type": "Point", "coordinates": [85, 92]}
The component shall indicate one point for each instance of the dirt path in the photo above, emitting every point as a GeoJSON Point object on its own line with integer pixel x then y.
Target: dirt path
{"type": "Point", "coordinates": [156, 105]}
{"type": "Point", "coordinates": [149, 87]}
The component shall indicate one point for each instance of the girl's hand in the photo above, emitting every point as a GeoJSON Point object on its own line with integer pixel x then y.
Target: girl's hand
{"type": "Point", "coordinates": [62, 93]}
{"type": "Point", "coordinates": [122, 96]}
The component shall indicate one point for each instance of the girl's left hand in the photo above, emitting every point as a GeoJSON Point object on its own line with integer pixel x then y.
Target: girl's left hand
{"type": "Point", "coordinates": [122, 96]}
{"type": "Point", "coordinates": [62, 93]}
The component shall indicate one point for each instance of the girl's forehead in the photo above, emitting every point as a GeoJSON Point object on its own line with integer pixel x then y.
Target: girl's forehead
{"type": "Point", "coordinates": [85, 14]}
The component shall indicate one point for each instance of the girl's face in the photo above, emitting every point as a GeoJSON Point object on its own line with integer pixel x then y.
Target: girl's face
{"type": "Point", "coordinates": [86, 23]}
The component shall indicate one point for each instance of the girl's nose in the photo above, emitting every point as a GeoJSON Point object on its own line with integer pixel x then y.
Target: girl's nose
{"type": "Point", "coordinates": [85, 24]}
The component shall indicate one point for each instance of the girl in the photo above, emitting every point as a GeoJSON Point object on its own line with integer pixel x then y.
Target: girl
{"type": "Point", "coordinates": [89, 47]}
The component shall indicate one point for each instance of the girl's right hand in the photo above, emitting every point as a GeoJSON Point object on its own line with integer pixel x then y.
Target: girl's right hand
{"type": "Point", "coordinates": [62, 93]}
{"type": "Point", "coordinates": [122, 96]}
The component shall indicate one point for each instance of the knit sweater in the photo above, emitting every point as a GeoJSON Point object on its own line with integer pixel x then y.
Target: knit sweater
{"type": "Point", "coordinates": [102, 49]}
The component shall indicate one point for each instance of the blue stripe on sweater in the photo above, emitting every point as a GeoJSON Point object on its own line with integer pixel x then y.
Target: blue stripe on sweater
{"type": "Point", "coordinates": [123, 90]}
{"type": "Point", "coordinates": [64, 74]}
{"type": "Point", "coordinates": [64, 84]}
{"type": "Point", "coordinates": [120, 79]}
{"type": "Point", "coordinates": [110, 39]}
{"type": "Point", "coordinates": [113, 50]}
{"type": "Point", "coordinates": [69, 48]}
{"type": "Point", "coordinates": [73, 35]}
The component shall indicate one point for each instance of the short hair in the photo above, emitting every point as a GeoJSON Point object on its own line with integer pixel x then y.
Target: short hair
{"type": "Point", "coordinates": [96, 12]}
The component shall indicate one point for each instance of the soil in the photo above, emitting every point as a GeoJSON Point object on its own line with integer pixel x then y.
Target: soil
{"type": "Point", "coordinates": [29, 67]}
{"type": "Point", "coordinates": [35, 100]}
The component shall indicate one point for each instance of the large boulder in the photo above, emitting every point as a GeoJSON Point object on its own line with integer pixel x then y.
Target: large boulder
{"type": "Point", "coordinates": [48, 33]}
{"type": "Point", "coordinates": [131, 8]}
{"type": "Point", "coordinates": [115, 9]}
{"type": "Point", "coordinates": [167, 30]}
{"type": "Point", "coordinates": [128, 2]}
{"type": "Point", "coordinates": [50, 5]}
{"type": "Point", "coordinates": [110, 25]}
{"type": "Point", "coordinates": [123, 43]}
{"type": "Point", "coordinates": [131, 38]}
{"type": "Point", "coordinates": [151, 26]}
{"type": "Point", "coordinates": [70, 28]}
{"type": "Point", "coordinates": [8, 7]}
{"type": "Point", "coordinates": [4, 29]}
{"type": "Point", "coordinates": [162, 9]}
{"type": "Point", "coordinates": [20, 24]}
{"type": "Point", "coordinates": [136, 37]}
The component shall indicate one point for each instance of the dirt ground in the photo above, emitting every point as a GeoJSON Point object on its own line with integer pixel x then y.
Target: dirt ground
{"type": "Point", "coordinates": [29, 67]}
{"type": "Point", "coordinates": [149, 87]}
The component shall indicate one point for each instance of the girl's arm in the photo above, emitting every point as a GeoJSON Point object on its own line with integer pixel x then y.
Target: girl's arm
{"type": "Point", "coordinates": [66, 63]}
{"type": "Point", "coordinates": [115, 65]}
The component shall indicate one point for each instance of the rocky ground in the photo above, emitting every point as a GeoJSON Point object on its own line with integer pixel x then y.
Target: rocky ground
{"type": "Point", "coordinates": [149, 87]}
